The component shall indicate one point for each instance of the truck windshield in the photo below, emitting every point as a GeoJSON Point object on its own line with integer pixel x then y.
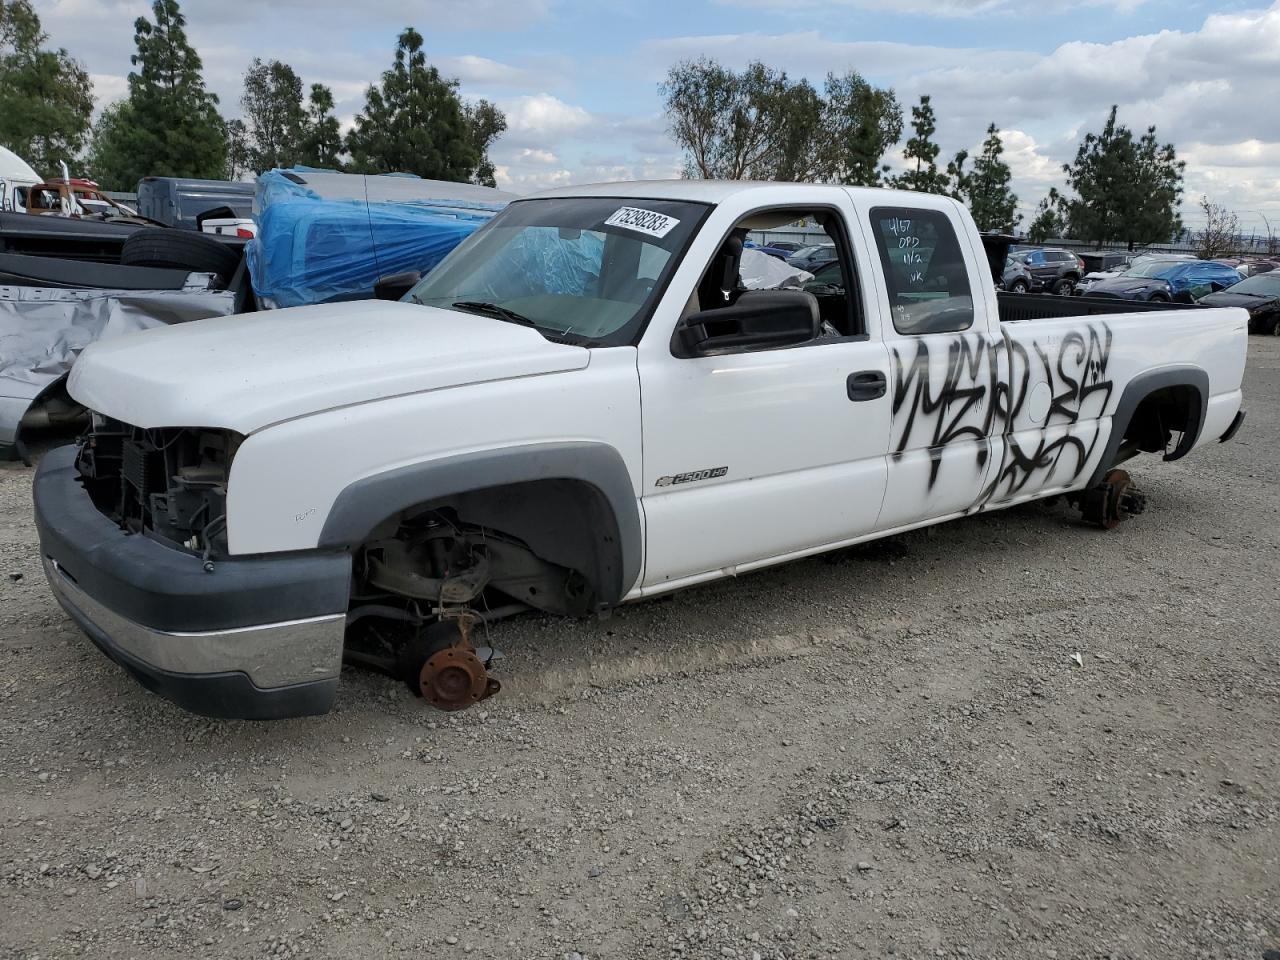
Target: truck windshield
{"type": "Point", "coordinates": [581, 268]}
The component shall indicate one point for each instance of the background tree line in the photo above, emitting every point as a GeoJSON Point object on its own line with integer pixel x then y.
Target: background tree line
{"type": "Point", "coordinates": [414, 119]}
{"type": "Point", "coordinates": [759, 124]}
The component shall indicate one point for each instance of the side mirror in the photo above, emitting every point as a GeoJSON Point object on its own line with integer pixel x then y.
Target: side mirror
{"type": "Point", "coordinates": [395, 285]}
{"type": "Point", "coordinates": [758, 319]}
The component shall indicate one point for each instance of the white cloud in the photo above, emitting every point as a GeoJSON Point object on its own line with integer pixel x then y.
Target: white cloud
{"type": "Point", "coordinates": [537, 156]}
{"type": "Point", "coordinates": [483, 72]}
{"type": "Point", "coordinates": [939, 8]}
{"type": "Point", "coordinates": [542, 118]}
{"type": "Point", "coordinates": [810, 53]}
{"type": "Point", "coordinates": [524, 181]}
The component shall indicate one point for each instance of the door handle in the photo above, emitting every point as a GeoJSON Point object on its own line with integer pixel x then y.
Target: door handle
{"type": "Point", "coordinates": [867, 385]}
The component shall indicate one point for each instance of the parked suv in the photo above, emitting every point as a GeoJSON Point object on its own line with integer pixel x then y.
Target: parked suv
{"type": "Point", "coordinates": [1057, 270]}
{"type": "Point", "coordinates": [1018, 278]}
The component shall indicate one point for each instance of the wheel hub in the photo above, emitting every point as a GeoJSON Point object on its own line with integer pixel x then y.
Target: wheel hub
{"type": "Point", "coordinates": [1116, 498]}
{"type": "Point", "coordinates": [454, 678]}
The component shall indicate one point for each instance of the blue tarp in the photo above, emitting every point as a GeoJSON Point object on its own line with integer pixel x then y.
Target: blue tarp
{"type": "Point", "coordinates": [538, 261]}
{"type": "Point", "coordinates": [310, 249]}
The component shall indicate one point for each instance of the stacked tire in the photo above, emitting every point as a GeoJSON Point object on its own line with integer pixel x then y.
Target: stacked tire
{"type": "Point", "coordinates": [181, 250]}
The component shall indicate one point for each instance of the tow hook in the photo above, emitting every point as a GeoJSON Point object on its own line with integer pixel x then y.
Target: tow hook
{"type": "Point", "coordinates": [1111, 501]}
{"type": "Point", "coordinates": [453, 677]}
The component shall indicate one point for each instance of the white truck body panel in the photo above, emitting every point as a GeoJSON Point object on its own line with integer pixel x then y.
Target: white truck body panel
{"type": "Point", "coordinates": [326, 452]}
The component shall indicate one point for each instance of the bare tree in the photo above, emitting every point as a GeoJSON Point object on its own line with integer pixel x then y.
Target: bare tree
{"type": "Point", "coordinates": [1273, 241]}
{"type": "Point", "coordinates": [1221, 233]}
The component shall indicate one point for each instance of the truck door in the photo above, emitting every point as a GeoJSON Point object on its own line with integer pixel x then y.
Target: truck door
{"type": "Point", "coordinates": [947, 367]}
{"type": "Point", "coordinates": [757, 454]}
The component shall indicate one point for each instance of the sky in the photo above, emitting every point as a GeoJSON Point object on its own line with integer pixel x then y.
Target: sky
{"type": "Point", "coordinates": [578, 79]}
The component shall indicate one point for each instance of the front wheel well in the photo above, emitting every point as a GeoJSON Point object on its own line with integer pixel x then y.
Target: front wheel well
{"type": "Point", "coordinates": [559, 539]}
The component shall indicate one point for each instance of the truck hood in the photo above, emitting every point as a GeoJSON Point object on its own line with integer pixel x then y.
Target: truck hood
{"type": "Point", "coordinates": [248, 371]}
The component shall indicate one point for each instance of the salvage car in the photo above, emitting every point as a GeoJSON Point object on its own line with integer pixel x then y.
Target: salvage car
{"type": "Point", "coordinates": [1057, 270]}
{"type": "Point", "coordinates": [791, 246]}
{"type": "Point", "coordinates": [579, 407]}
{"type": "Point", "coordinates": [1249, 268]}
{"type": "Point", "coordinates": [184, 203]}
{"type": "Point", "coordinates": [811, 258]}
{"type": "Point", "coordinates": [1260, 295]}
{"type": "Point", "coordinates": [1163, 281]}
{"type": "Point", "coordinates": [1017, 277]}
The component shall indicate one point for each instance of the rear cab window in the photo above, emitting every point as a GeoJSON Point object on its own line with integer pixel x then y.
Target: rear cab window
{"type": "Point", "coordinates": [925, 273]}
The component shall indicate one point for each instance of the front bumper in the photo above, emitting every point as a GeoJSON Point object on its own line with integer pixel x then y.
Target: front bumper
{"type": "Point", "coordinates": [256, 638]}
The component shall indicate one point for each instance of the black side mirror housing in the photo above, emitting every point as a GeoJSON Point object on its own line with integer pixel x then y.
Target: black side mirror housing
{"type": "Point", "coordinates": [757, 319]}
{"type": "Point", "coordinates": [395, 285]}
{"type": "Point", "coordinates": [216, 213]}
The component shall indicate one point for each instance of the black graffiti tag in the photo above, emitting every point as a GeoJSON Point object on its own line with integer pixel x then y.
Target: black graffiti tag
{"type": "Point", "coordinates": [1076, 371]}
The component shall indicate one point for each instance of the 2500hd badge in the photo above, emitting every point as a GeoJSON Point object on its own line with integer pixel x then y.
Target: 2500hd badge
{"type": "Point", "coordinates": [696, 475]}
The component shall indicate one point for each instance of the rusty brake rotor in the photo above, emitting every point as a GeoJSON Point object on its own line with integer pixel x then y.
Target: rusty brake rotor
{"type": "Point", "coordinates": [455, 678]}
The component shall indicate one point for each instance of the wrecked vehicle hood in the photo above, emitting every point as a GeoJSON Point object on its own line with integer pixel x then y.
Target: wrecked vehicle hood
{"type": "Point", "coordinates": [1251, 302]}
{"type": "Point", "coordinates": [247, 371]}
{"type": "Point", "coordinates": [1123, 286]}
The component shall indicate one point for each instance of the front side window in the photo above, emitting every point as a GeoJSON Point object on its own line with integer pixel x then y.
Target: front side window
{"type": "Point", "coordinates": [925, 271]}
{"type": "Point", "coordinates": [586, 269]}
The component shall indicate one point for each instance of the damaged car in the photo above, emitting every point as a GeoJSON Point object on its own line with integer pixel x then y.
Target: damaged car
{"type": "Point", "coordinates": [1260, 295]}
{"type": "Point", "coordinates": [585, 405]}
{"type": "Point", "coordinates": [1166, 281]}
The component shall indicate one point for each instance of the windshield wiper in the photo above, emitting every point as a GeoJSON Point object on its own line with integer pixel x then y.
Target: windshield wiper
{"type": "Point", "coordinates": [494, 310]}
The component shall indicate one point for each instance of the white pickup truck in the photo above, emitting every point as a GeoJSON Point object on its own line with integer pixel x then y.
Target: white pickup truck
{"type": "Point", "coordinates": [581, 407]}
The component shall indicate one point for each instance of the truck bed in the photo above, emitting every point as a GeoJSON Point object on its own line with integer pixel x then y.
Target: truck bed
{"type": "Point", "coordinates": [71, 239]}
{"type": "Point", "coordinates": [1020, 307]}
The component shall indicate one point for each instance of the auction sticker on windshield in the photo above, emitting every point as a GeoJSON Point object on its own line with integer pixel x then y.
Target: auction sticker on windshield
{"type": "Point", "coordinates": [642, 221]}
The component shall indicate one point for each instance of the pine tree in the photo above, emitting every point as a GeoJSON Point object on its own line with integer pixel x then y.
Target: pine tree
{"type": "Point", "coordinates": [1126, 190]}
{"type": "Point", "coordinates": [985, 189]}
{"type": "Point", "coordinates": [321, 144]}
{"type": "Point", "coordinates": [415, 122]}
{"type": "Point", "coordinates": [46, 97]}
{"type": "Point", "coordinates": [924, 176]}
{"type": "Point", "coordinates": [1050, 222]}
{"type": "Point", "coordinates": [168, 125]}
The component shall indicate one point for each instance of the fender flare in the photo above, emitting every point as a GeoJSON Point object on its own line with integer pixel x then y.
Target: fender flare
{"type": "Point", "coordinates": [1137, 390]}
{"type": "Point", "coordinates": [367, 502]}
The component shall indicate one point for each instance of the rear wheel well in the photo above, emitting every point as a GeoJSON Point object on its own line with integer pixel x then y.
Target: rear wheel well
{"type": "Point", "coordinates": [1161, 414]}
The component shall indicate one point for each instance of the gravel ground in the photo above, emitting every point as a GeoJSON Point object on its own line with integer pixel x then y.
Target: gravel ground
{"type": "Point", "coordinates": [888, 752]}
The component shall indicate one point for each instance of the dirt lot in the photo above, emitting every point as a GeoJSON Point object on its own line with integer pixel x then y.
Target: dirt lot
{"type": "Point", "coordinates": [889, 752]}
